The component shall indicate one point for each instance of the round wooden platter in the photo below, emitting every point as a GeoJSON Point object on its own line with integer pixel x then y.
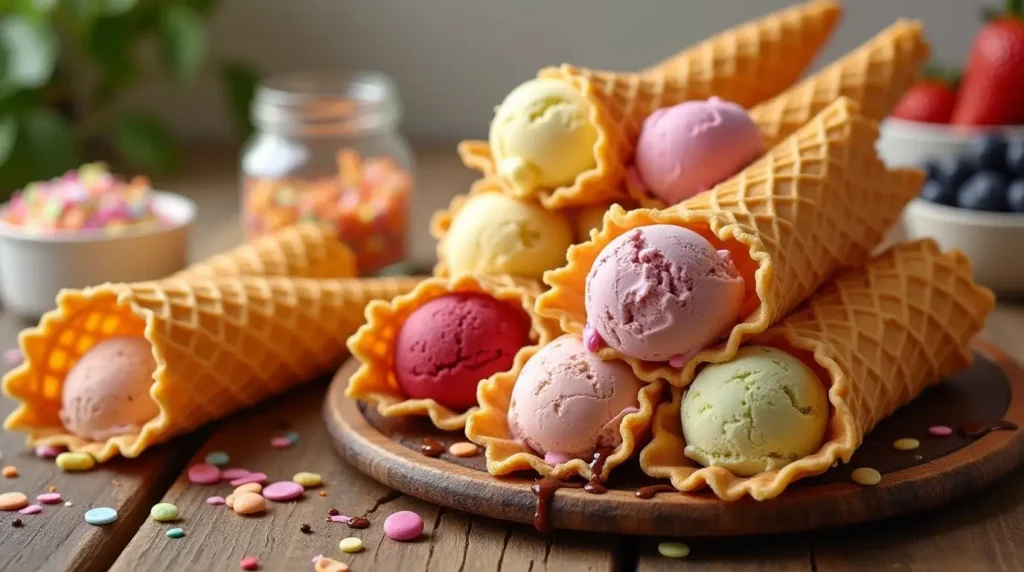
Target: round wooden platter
{"type": "Point", "coordinates": [941, 470]}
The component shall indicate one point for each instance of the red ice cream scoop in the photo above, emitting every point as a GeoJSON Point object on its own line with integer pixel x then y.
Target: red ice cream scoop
{"type": "Point", "coordinates": [450, 344]}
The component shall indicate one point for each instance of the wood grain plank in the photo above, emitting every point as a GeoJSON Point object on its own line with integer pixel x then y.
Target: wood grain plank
{"type": "Point", "coordinates": [59, 538]}
{"type": "Point", "coordinates": [217, 539]}
{"type": "Point", "coordinates": [789, 553]}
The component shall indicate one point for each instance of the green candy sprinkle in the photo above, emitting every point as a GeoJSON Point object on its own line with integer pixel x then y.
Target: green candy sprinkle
{"type": "Point", "coordinates": [101, 515]}
{"type": "Point", "coordinates": [674, 549]}
{"type": "Point", "coordinates": [164, 512]}
{"type": "Point", "coordinates": [175, 533]}
{"type": "Point", "coordinates": [218, 458]}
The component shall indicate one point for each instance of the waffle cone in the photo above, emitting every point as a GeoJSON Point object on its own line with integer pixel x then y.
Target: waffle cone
{"type": "Point", "coordinates": [488, 427]}
{"type": "Point", "coordinates": [303, 250]}
{"type": "Point", "coordinates": [879, 335]}
{"type": "Point", "coordinates": [373, 344]}
{"type": "Point", "coordinates": [746, 64]}
{"type": "Point", "coordinates": [220, 344]}
{"type": "Point", "coordinates": [818, 201]}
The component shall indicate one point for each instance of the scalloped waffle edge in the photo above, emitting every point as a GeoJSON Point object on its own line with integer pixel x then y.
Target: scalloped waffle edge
{"type": "Point", "coordinates": [745, 64]}
{"type": "Point", "coordinates": [373, 343]}
{"type": "Point", "coordinates": [220, 345]}
{"type": "Point", "coordinates": [918, 310]}
{"type": "Point", "coordinates": [488, 427]}
{"type": "Point", "coordinates": [818, 201]}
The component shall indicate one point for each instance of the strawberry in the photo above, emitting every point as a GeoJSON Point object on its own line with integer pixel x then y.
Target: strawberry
{"type": "Point", "coordinates": [930, 100]}
{"type": "Point", "coordinates": [992, 92]}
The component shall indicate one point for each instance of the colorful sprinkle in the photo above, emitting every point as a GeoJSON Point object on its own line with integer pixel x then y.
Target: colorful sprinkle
{"type": "Point", "coordinates": [31, 509]}
{"type": "Point", "coordinates": [403, 525]}
{"type": "Point", "coordinates": [906, 444]}
{"type": "Point", "coordinates": [674, 549]}
{"type": "Point", "coordinates": [216, 501]}
{"type": "Point", "coordinates": [13, 357]}
{"type": "Point", "coordinates": [218, 458]}
{"type": "Point", "coordinates": [324, 564]}
{"type": "Point", "coordinates": [351, 545]}
{"type": "Point", "coordinates": [940, 431]}
{"type": "Point", "coordinates": [866, 476]}
{"type": "Point", "coordinates": [164, 512]}
{"type": "Point", "coordinates": [292, 436]}
{"type": "Point", "coordinates": [49, 498]}
{"type": "Point", "coordinates": [249, 563]}
{"type": "Point", "coordinates": [248, 488]}
{"type": "Point", "coordinates": [323, 493]}
{"type": "Point", "coordinates": [463, 449]}
{"type": "Point", "coordinates": [13, 501]}
{"type": "Point", "coordinates": [249, 503]}
{"type": "Point", "coordinates": [101, 515]}
{"type": "Point", "coordinates": [308, 480]}
{"type": "Point", "coordinates": [230, 501]}
{"type": "Point", "coordinates": [283, 491]}
{"type": "Point", "coordinates": [68, 503]}
{"type": "Point", "coordinates": [203, 474]}
{"type": "Point", "coordinates": [235, 473]}
{"type": "Point", "coordinates": [49, 451]}
{"type": "Point", "coordinates": [305, 528]}
{"type": "Point", "coordinates": [280, 442]}
{"type": "Point", "coordinates": [250, 478]}
{"type": "Point", "coordinates": [175, 533]}
{"type": "Point", "coordinates": [10, 471]}
{"type": "Point", "coordinates": [75, 462]}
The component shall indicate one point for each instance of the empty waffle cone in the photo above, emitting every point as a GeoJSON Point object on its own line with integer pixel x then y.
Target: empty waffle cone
{"type": "Point", "coordinates": [373, 344]}
{"type": "Point", "coordinates": [488, 427]}
{"type": "Point", "coordinates": [818, 201]}
{"type": "Point", "coordinates": [746, 65]}
{"type": "Point", "coordinates": [220, 345]}
{"type": "Point", "coordinates": [304, 250]}
{"type": "Point", "coordinates": [878, 335]}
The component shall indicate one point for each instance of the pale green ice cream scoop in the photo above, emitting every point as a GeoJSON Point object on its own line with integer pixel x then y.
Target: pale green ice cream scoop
{"type": "Point", "coordinates": [758, 412]}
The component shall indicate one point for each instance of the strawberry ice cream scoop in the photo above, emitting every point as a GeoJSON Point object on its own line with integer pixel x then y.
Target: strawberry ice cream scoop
{"type": "Point", "coordinates": [693, 146]}
{"type": "Point", "coordinates": [106, 393]}
{"type": "Point", "coordinates": [661, 293]}
{"type": "Point", "coordinates": [568, 403]}
{"type": "Point", "coordinates": [450, 344]}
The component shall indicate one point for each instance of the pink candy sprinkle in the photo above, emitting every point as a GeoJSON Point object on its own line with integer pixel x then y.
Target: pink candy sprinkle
{"type": "Point", "coordinates": [552, 458]}
{"type": "Point", "coordinates": [250, 563]}
{"type": "Point", "coordinates": [49, 498]}
{"type": "Point", "coordinates": [216, 501]}
{"type": "Point", "coordinates": [341, 518]}
{"type": "Point", "coordinates": [283, 490]}
{"type": "Point", "coordinates": [318, 558]}
{"type": "Point", "coordinates": [13, 357]}
{"type": "Point", "coordinates": [31, 509]}
{"type": "Point", "coordinates": [203, 474]}
{"type": "Point", "coordinates": [250, 478]}
{"type": "Point", "coordinates": [48, 451]}
{"type": "Point", "coordinates": [940, 431]}
{"type": "Point", "coordinates": [591, 339]}
{"type": "Point", "coordinates": [280, 442]}
{"type": "Point", "coordinates": [403, 525]}
{"type": "Point", "coordinates": [232, 474]}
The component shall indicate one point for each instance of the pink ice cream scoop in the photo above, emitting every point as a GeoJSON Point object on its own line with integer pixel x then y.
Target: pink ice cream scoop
{"type": "Point", "coordinates": [106, 393]}
{"type": "Point", "coordinates": [661, 293]}
{"type": "Point", "coordinates": [568, 403]}
{"type": "Point", "coordinates": [693, 146]}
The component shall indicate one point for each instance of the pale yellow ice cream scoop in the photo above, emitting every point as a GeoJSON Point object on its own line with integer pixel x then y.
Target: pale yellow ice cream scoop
{"type": "Point", "coordinates": [542, 136]}
{"type": "Point", "coordinates": [107, 392]}
{"type": "Point", "coordinates": [758, 412]}
{"type": "Point", "coordinates": [497, 234]}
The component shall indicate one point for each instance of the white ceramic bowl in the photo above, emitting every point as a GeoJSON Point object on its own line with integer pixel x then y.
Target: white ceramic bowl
{"type": "Point", "coordinates": [912, 143]}
{"type": "Point", "coordinates": [34, 267]}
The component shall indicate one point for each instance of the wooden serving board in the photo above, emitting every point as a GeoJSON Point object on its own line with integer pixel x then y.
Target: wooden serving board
{"type": "Point", "coordinates": [938, 472]}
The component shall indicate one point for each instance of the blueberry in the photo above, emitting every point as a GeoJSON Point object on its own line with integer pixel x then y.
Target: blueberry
{"type": "Point", "coordinates": [954, 172]}
{"type": "Point", "coordinates": [1015, 157]}
{"type": "Point", "coordinates": [984, 191]}
{"type": "Point", "coordinates": [990, 152]}
{"type": "Point", "coordinates": [933, 171]}
{"type": "Point", "coordinates": [1015, 196]}
{"type": "Point", "coordinates": [937, 191]}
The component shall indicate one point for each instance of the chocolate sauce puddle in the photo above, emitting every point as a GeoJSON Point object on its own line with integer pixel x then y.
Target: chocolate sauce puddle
{"type": "Point", "coordinates": [648, 492]}
{"type": "Point", "coordinates": [431, 447]}
{"type": "Point", "coordinates": [977, 430]}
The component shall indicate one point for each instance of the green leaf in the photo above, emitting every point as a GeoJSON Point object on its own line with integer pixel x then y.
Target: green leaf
{"type": "Point", "coordinates": [143, 140]}
{"type": "Point", "coordinates": [204, 7]}
{"type": "Point", "coordinates": [117, 7]}
{"type": "Point", "coordinates": [45, 147]}
{"type": "Point", "coordinates": [8, 133]}
{"type": "Point", "coordinates": [111, 43]}
{"type": "Point", "coordinates": [239, 83]}
{"type": "Point", "coordinates": [31, 51]}
{"type": "Point", "coordinates": [183, 39]}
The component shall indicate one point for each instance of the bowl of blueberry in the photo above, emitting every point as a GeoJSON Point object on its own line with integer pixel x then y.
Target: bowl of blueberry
{"type": "Point", "coordinates": [974, 202]}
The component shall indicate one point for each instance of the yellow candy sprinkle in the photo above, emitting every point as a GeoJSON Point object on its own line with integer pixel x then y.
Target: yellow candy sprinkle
{"type": "Point", "coordinates": [351, 544]}
{"type": "Point", "coordinates": [907, 444]}
{"type": "Point", "coordinates": [308, 480]}
{"type": "Point", "coordinates": [866, 476]}
{"type": "Point", "coordinates": [75, 462]}
{"type": "Point", "coordinates": [674, 549]}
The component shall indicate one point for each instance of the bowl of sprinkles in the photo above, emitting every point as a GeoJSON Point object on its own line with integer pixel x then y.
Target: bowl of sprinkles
{"type": "Point", "coordinates": [84, 228]}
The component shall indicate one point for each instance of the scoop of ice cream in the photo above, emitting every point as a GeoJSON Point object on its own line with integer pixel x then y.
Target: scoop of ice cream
{"type": "Point", "coordinates": [758, 412]}
{"type": "Point", "coordinates": [542, 136]}
{"type": "Point", "coordinates": [589, 218]}
{"type": "Point", "coordinates": [448, 345]}
{"type": "Point", "coordinates": [497, 234]}
{"type": "Point", "coordinates": [661, 293]}
{"type": "Point", "coordinates": [568, 403]}
{"type": "Point", "coordinates": [106, 393]}
{"type": "Point", "coordinates": [693, 146]}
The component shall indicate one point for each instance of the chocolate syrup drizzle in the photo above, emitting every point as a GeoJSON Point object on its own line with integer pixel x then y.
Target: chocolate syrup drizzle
{"type": "Point", "coordinates": [544, 489]}
{"type": "Point", "coordinates": [977, 430]}
{"type": "Point", "coordinates": [431, 447]}
{"type": "Point", "coordinates": [648, 492]}
{"type": "Point", "coordinates": [595, 486]}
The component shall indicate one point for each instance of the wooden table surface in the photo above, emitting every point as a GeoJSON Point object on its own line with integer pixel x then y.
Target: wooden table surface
{"type": "Point", "coordinates": [981, 532]}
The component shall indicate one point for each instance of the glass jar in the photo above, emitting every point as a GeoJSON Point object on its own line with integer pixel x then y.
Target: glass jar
{"type": "Point", "coordinates": [327, 149]}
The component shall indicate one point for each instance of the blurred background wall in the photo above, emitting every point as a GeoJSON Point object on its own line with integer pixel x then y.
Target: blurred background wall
{"type": "Point", "coordinates": [454, 60]}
